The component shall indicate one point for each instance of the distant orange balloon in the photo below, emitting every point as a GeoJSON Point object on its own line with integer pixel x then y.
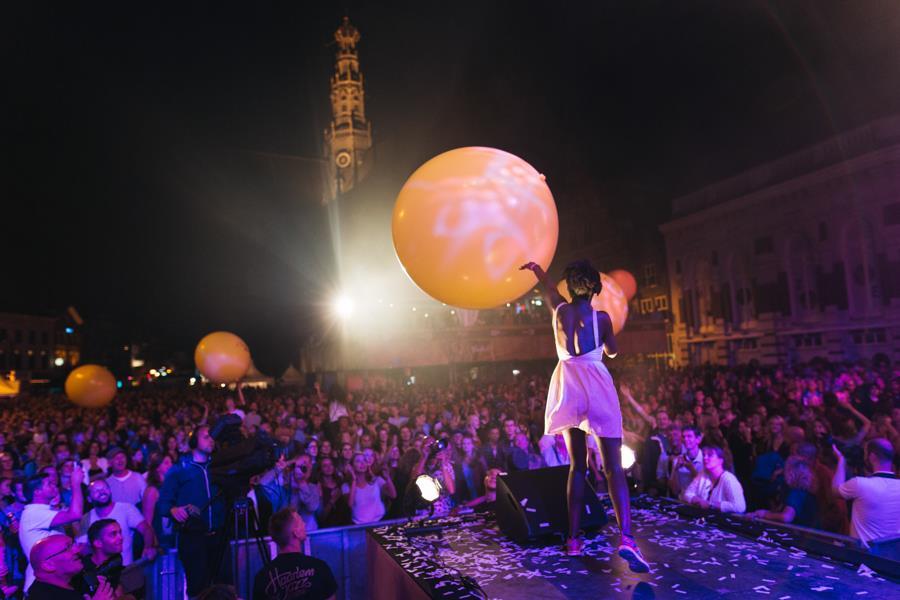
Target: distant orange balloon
{"type": "Point", "coordinates": [626, 281]}
{"type": "Point", "coordinates": [611, 299]}
{"type": "Point", "coordinates": [91, 386]}
{"type": "Point", "coordinates": [466, 220]}
{"type": "Point", "coordinates": [222, 357]}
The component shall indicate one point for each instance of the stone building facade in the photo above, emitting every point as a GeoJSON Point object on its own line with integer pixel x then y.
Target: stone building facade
{"type": "Point", "coordinates": [794, 259]}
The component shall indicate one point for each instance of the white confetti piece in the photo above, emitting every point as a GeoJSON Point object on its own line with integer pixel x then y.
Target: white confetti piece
{"type": "Point", "coordinates": [865, 571]}
{"type": "Point", "coordinates": [821, 588]}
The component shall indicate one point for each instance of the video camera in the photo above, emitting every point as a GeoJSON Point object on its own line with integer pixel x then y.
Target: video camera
{"type": "Point", "coordinates": [238, 458]}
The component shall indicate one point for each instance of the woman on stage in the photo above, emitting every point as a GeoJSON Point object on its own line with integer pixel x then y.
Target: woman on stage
{"type": "Point", "coordinates": [582, 399]}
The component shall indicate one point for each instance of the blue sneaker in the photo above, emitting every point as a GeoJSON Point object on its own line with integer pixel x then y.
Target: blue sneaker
{"type": "Point", "coordinates": [632, 554]}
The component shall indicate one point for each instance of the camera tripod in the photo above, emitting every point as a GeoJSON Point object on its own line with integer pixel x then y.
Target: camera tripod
{"type": "Point", "coordinates": [240, 514]}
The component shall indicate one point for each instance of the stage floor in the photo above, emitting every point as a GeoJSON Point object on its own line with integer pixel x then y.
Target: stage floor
{"type": "Point", "coordinates": [689, 559]}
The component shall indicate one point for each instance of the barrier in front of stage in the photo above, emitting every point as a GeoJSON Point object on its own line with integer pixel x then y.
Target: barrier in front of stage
{"type": "Point", "coordinates": [342, 548]}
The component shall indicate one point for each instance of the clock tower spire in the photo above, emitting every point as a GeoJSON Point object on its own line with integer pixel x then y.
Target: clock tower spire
{"type": "Point", "coordinates": [348, 138]}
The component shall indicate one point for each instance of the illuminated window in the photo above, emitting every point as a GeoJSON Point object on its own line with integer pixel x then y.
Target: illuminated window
{"type": "Point", "coordinates": [649, 274]}
{"type": "Point", "coordinates": [661, 302]}
{"type": "Point", "coordinates": [646, 305]}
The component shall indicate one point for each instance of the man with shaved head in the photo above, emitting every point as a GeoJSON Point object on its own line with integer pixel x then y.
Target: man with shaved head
{"type": "Point", "coordinates": [55, 562]}
{"type": "Point", "coordinates": [876, 506]}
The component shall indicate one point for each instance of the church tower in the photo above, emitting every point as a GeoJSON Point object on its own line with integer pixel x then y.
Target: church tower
{"type": "Point", "coordinates": [348, 139]}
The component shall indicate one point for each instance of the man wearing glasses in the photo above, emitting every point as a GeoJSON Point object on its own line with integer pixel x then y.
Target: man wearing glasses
{"type": "Point", "coordinates": [55, 562]}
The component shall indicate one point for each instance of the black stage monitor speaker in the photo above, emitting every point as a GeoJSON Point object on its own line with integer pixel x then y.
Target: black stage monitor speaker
{"type": "Point", "coordinates": [531, 504]}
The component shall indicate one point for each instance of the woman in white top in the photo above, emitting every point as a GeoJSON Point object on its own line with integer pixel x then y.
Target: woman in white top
{"type": "Point", "coordinates": [714, 487]}
{"type": "Point", "coordinates": [364, 492]}
{"type": "Point", "coordinates": [582, 399]}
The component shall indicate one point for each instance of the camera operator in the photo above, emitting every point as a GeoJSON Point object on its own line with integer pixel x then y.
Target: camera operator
{"type": "Point", "coordinates": [56, 564]}
{"type": "Point", "coordinates": [193, 501]}
{"type": "Point", "coordinates": [105, 560]}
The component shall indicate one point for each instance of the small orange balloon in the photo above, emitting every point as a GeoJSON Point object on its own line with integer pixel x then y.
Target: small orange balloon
{"type": "Point", "coordinates": [222, 357]}
{"type": "Point", "coordinates": [611, 299]}
{"type": "Point", "coordinates": [466, 220]}
{"type": "Point", "coordinates": [626, 281]}
{"type": "Point", "coordinates": [91, 386]}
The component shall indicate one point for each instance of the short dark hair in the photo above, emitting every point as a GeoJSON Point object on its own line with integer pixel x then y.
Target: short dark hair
{"type": "Point", "coordinates": [97, 528]}
{"type": "Point", "coordinates": [280, 525]}
{"type": "Point", "coordinates": [881, 448]}
{"type": "Point", "coordinates": [693, 428]}
{"type": "Point", "coordinates": [582, 279]}
{"type": "Point", "coordinates": [30, 485]}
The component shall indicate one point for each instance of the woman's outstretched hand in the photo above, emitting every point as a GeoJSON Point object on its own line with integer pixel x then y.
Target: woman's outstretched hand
{"type": "Point", "coordinates": [531, 266]}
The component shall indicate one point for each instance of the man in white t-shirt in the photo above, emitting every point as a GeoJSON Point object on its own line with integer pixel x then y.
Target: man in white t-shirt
{"type": "Point", "coordinates": [126, 515]}
{"type": "Point", "coordinates": [876, 499]}
{"type": "Point", "coordinates": [39, 520]}
{"type": "Point", "coordinates": [124, 484]}
{"type": "Point", "coordinates": [683, 468]}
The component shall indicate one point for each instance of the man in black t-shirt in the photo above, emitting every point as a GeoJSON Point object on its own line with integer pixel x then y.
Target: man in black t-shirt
{"type": "Point", "coordinates": [292, 574]}
{"type": "Point", "coordinates": [105, 559]}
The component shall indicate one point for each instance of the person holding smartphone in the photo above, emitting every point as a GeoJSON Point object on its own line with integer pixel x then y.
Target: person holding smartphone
{"type": "Point", "coordinates": [305, 496]}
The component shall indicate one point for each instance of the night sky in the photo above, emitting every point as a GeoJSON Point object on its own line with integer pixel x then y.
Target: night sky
{"type": "Point", "coordinates": [139, 181]}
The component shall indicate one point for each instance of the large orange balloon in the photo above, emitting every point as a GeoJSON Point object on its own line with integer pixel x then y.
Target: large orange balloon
{"type": "Point", "coordinates": [626, 281]}
{"type": "Point", "coordinates": [91, 386]}
{"type": "Point", "coordinates": [610, 299]}
{"type": "Point", "coordinates": [465, 222]}
{"type": "Point", "coordinates": [222, 357]}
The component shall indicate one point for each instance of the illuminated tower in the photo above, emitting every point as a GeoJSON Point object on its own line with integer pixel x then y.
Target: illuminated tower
{"type": "Point", "coordinates": [348, 139]}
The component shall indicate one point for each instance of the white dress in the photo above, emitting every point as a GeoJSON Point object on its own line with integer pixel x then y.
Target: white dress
{"type": "Point", "coordinates": [582, 394]}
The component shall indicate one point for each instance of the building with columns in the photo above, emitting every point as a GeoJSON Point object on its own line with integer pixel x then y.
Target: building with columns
{"type": "Point", "coordinates": [348, 138]}
{"type": "Point", "coordinates": [795, 259]}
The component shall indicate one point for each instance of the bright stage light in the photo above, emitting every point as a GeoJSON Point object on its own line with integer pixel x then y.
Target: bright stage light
{"type": "Point", "coordinates": [343, 307]}
{"type": "Point", "coordinates": [429, 487]}
{"type": "Point", "coordinates": [59, 361]}
{"type": "Point", "coordinates": [627, 457]}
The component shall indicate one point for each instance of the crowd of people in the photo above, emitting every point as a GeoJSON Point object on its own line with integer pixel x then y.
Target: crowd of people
{"type": "Point", "coordinates": [813, 445]}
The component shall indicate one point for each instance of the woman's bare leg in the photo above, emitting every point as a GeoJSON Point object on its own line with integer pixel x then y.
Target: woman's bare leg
{"type": "Point", "coordinates": [576, 444]}
{"type": "Point", "coordinates": [611, 451]}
